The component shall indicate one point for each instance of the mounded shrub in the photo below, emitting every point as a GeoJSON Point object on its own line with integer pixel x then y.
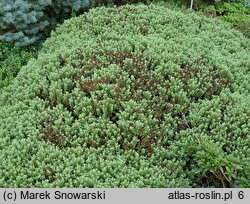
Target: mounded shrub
{"type": "Point", "coordinates": [133, 96]}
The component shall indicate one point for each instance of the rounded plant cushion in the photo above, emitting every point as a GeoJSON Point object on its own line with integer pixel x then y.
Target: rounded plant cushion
{"type": "Point", "coordinates": [131, 96]}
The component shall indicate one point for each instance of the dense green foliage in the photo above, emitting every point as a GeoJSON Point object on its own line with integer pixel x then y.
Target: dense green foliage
{"type": "Point", "coordinates": [12, 59]}
{"type": "Point", "coordinates": [236, 12]}
{"type": "Point", "coordinates": [134, 96]}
